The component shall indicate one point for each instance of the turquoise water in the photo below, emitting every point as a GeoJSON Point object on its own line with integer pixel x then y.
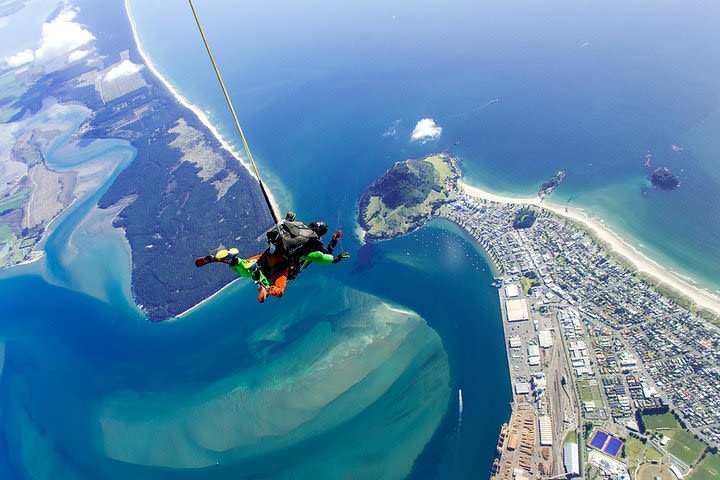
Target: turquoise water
{"type": "Point", "coordinates": [285, 391]}
{"type": "Point", "coordinates": [366, 387]}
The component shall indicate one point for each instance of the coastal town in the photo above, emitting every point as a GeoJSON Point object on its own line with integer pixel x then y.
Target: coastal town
{"type": "Point", "coordinates": [611, 377]}
{"type": "Point", "coordinates": [614, 363]}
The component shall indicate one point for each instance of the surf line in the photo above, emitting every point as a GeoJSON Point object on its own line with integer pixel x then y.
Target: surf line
{"type": "Point", "coordinates": [460, 405]}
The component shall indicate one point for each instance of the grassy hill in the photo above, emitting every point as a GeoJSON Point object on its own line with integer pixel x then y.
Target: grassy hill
{"type": "Point", "coordinates": [407, 196]}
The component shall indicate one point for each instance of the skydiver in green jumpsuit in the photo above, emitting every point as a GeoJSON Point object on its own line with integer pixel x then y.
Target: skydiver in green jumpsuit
{"type": "Point", "coordinates": [285, 258]}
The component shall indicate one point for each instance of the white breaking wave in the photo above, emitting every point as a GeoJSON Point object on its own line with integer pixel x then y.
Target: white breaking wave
{"type": "Point", "coordinates": [460, 402]}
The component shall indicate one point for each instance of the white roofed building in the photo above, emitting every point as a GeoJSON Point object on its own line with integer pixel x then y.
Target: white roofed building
{"type": "Point", "coordinates": [517, 310]}
{"type": "Point", "coordinates": [571, 458]}
{"type": "Point", "coordinates": [545, 339]}
{"type": "Point", "coordinates": [546, 436]}
{"type": "Point", "coordinates": [522, 388]}
{"type": "Point", "coordinates": [511, 290]}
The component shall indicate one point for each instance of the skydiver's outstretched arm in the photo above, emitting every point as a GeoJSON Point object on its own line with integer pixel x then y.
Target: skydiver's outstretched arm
{"type": "Point", "coordinates": [324, 258]}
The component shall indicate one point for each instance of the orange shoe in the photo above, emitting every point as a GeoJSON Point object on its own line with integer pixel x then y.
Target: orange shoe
{"type": "Point", "coordinates": [262, 293]}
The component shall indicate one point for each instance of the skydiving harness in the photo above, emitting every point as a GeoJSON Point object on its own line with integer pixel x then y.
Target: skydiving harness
{"type": "Point", "coordinates": [287, 238]}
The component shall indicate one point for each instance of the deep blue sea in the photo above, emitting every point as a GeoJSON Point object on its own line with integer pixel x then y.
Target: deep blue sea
{"type": "Point", "coordinates": [367, 386]}
{"type": "Point", "coordinates": [588, 88]}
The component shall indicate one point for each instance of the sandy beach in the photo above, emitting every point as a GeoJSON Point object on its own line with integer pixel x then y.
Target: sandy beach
{"type": "Point", "coordinates": [618, 245]}
{"type": "Point", "coordinates": [203, 302]}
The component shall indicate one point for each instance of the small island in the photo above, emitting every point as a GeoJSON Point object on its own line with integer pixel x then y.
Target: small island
{"type": "Point", "coordinates": [664, 179]}
{"type": "Point", "coordinates": [548, 187]}
{"type": "Point", "coordinates": [408, 195]}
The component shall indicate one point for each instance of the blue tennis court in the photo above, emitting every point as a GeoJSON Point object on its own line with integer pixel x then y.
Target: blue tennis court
{"type": "Point", "coordinates": [599, 439]}
{"type": "Point", "coordinates": [613, 446]}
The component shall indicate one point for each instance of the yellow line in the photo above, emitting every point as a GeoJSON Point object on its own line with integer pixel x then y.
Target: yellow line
{"type": "Point", "coordinates": [225, 92]}
{"type": "Point", "coordinates": [232, 110]}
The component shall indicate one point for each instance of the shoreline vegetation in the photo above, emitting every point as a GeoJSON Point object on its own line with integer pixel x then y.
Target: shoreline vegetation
{"type": "Point", "coordinates": [185, 180]}
{"type": "Point", "coordinates": [701, 302]}
{"type": "Point", "coordinates": [212, 129]}
{"type": "Point", "coordinates": [182, 100]}
{"type": "Point", "coordinates": [183, 169]}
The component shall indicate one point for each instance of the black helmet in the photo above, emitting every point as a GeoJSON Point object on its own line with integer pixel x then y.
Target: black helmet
{"type": "Point", "coordinates": [320, 228]}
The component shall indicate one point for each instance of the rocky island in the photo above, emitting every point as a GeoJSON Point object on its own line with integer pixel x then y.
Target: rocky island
{"type": "Point", "coordinates": [664, 179]}
{"type": "Point", "coordinates": [408, 195]}
{"type": "Point", "coordinates": [552, 183]}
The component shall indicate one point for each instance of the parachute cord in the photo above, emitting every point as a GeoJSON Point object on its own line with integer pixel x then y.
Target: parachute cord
{"type": "Point", "coordinates": [234, 115]}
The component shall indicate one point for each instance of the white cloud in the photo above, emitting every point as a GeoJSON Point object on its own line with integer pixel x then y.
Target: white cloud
{"type": "Point", "coordinates": [77, 55]}
{"type": "Point", "coordinates": [20, 58]}
{"type": "Point", "coordinates": [4, 22]}
{"type": "Point", "coordinates": [59, 37]}
{"type": "Point", "coordinates": [425, 130]}
{"type": "Point", "coordinates": [122, 69]}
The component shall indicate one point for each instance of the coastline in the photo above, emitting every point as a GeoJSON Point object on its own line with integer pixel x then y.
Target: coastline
{"type": "Point", "coordinates": [614, 242]}
{"type": "Point", "coordinates": [201, 303]}
{"type": "Point", "coordinates": [202, 116]}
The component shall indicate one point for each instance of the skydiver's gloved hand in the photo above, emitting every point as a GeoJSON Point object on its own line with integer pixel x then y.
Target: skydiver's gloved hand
{"type": "Point", "coordinates": [234, 261]}
{"type": "Point", "coordinates": [342, 256]}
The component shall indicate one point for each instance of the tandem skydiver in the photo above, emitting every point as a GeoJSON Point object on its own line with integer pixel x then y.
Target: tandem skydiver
{"type": "Point", "coordinates": [293, 246]}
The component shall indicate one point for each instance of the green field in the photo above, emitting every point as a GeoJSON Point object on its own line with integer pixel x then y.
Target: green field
{"type": "Point", "coordinates": [708, 469]}
{"type": "Point", "coordinates": [638, 453]}
{"type": "Point", "coordinates": [5, 233]}
{"type": "Point", "coordinates": [664, 420]}
{"type": "Point", "coordinates": [571, 437]}
{"type": "Point", "coordinates": [14, 201]}
{"type": "Point", "coordinates": [528, 283]}
{"type": "Point", "coordinates": [684, 445]}
{"type": "Point", "coordinates": [590, 392]}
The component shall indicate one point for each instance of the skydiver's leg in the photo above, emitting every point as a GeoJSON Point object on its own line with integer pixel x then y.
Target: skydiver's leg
{"type": "Point", "coordinates": [242, 267]}
{"type": "Point", "coordinates": [279, 281]}
{"type": "Point", "coordinates": [245, 268]}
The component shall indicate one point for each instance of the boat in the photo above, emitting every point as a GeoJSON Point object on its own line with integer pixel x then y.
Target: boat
{"type": "Point", "coordinates": [648, 161]}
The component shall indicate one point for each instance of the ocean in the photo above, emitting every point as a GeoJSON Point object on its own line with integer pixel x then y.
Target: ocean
{"type": "Point", "coordinates": [590, 89]}
{"type": "Point", "coordinates": [367, 385]}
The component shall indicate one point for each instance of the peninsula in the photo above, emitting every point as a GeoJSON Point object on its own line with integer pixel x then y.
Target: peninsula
{"type": "Point", "coordinates": [184, 194]}
{"type": "Point", "coordinates": [601, 341]}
